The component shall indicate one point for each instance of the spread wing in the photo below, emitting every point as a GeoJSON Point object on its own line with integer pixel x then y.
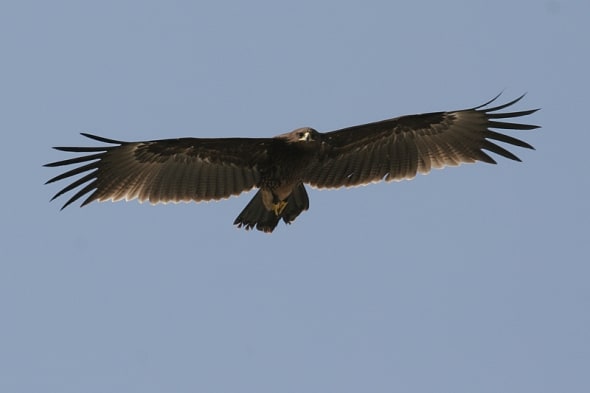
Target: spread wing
{"type": "Point", "coordinates": [168, 170]}
{"type": "Point", "coordinates": [397, 149]}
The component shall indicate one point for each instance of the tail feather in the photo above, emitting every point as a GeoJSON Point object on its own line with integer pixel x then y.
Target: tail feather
{"type": "Point", "coordinates": [297, 202]}
{"type": "Point", "coordinates": [255, 214]}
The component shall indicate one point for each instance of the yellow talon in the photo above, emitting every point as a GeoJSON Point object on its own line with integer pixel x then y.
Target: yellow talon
{"type": "Point", "coordinates": [278, 208]}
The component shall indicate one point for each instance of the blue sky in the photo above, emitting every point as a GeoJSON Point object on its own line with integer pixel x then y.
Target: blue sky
{"type": "Point", "coordinates": [470, 279]}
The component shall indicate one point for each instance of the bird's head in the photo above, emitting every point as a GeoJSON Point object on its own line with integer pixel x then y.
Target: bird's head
{"type": "Point", "coordinates": [305, 134]}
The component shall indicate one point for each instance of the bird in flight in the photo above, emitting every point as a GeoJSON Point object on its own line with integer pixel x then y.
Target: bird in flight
{"type": "Point", "coordinates": [203, 169]}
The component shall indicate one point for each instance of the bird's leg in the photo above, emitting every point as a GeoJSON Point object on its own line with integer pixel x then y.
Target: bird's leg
{"type": "Point", "coordinates": [278, 207]}
{"type": "Point", "coordinates": [273, 202]}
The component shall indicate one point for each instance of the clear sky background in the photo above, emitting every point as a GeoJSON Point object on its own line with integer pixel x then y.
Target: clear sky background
{"type": "Point", "coordinates": [470, 279]}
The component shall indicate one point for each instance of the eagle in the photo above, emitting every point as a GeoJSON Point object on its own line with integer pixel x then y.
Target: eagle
{"type": "Point", "coordinates": [203, 169]}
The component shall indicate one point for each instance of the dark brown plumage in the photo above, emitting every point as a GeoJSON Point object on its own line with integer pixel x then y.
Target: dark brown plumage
{"type": "Point", "coordinates": [197, 169]}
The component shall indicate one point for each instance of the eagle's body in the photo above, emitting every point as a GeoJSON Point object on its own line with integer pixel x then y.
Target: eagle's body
{"type": "Point", "coordinates": [199, 169]}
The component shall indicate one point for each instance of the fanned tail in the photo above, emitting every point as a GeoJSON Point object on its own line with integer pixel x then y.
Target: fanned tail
{"type": "Point", "coordinates": [255, 214]}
